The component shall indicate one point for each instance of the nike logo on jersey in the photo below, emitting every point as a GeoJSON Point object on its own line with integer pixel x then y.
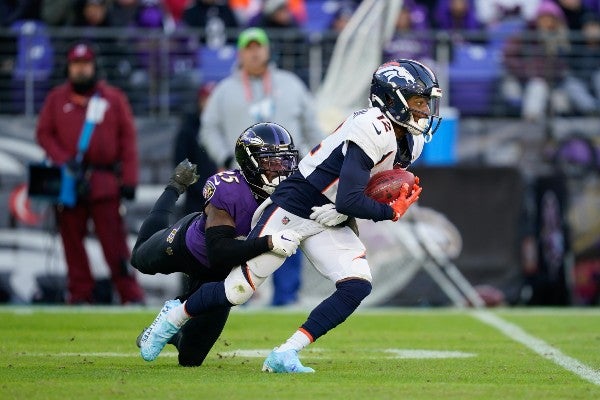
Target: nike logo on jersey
{"type": "Point", "coordinates": [284, 238]}
{"type": "Point", "coordinates": [376, 130]}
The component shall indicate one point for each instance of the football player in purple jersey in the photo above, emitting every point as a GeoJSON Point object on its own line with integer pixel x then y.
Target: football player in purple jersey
{"type": "Point", "coordinates": [203, 245]}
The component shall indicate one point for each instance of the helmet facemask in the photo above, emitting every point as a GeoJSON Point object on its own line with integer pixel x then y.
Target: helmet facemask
{"type": "Point", "coordinates": [273, 168]}
{"type": "Point", "coordinates": [429, 123]}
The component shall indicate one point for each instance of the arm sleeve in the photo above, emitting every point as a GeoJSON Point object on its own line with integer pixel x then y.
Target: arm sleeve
{"type": "Point", "coordinates": [354, 176]}
{"type": "Point", "coordinates": [224, 251]}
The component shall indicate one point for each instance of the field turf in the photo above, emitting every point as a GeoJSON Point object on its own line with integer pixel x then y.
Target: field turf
{"type": "Point", "coordinates": [89, 353]}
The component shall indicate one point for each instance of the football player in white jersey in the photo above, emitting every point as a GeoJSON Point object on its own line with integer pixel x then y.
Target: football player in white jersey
{"type": "Point", "coordinates": [316, 201]}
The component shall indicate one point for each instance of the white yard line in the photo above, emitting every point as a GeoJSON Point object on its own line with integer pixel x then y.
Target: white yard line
{"type": "Point", "coordinates": [92, 354]}
{"type": "Point", "coordinates": [539, 346]}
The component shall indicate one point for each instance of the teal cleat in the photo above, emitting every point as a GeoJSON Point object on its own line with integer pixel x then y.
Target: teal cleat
{"type": "Point", "coordinates": [285, 362]}
{"type": "Point", "coordinates": [156, 336]}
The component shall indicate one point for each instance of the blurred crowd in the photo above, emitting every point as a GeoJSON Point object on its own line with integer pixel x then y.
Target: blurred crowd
{"type": "Point", "coordinates": [547, 50]}
{"type": "Point", "coordinates": [169, 14]}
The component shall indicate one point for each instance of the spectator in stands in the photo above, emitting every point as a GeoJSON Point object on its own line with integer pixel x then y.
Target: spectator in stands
{"type": "Point", "coordinates": [419, 14]}
{"type": "Point", "coordinates": [260, 92]}
{"type": "Point", "coordinates": [536, 64]}
{"type": "Point", "coordinates": [490, 12]}
{"type": "Point", "coordinates": [151, 69]}
{"type": "Point", "coordinates": [275, 14]}
{"type": "Point", "coordinates": [92, 13]}
{"type": "Point", "coordinates": [287, 39]}
{"type": "Point", "coordinates": [188, 146]}
{"type": "Point", "coordinates": [58, 12]}
{"type": "Point", "coordinates": [583, 81]}
{"type": "Point", "coordinates": [174, 10]}
{"type": "Point", "coordinates": [455, 15]}
{"type": "Point", "coordinates": [257, 91]}
{"type": "Point", "coordinates": [574, 11]}
{"type": "Point", "coordinates": [115, 58]}
{"type": "Point", "coordinates": [214, 17]}
{"type": "Point", "coordinates": [125, 12]}
{"type": "Point", "coordinates": [410, 39]}
{"type": "Point", "coordinates": [150, 15]}
{"type": "Point", "coordinates": [342, 16]}
{"type": "Point", "coordinates": [12, 11]}
{"type": "Point", "coordinates": [245, 9]}
{"type": "Point", "coordinates": [295, 8]}
{"type": "Point", "coordinates": [110, 167]}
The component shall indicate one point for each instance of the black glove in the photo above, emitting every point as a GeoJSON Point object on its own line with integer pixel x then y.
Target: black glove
{"type": "Point", "coordinates": [127, 192]}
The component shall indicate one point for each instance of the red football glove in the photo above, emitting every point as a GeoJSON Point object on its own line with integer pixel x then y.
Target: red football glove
{"type": "Point", "coordinates": [401, 204]}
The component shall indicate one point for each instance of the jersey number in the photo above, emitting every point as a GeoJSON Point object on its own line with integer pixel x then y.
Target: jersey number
{"type": "Point", "coordinates": [227, 177]}
{"type": "Point", "coordinates": [386, 124]}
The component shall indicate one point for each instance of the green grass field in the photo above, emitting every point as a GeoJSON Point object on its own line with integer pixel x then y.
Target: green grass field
{"type": "Point", "coordinates": [84, 353]}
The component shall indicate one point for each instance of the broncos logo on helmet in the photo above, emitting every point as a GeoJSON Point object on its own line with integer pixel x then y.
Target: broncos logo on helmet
{"type": "Point", "coordinates": [397, 75]}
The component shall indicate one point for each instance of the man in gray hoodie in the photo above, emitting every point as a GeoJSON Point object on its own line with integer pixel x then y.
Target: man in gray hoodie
{"type": "Point", "coordinates": [258, 91]}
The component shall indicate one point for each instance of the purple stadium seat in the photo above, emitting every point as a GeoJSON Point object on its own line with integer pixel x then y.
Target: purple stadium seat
{"type": "Point", "coordinates": [216, 63]}
{"type": "Point", "coordinates": [35, 59]}
{"type": "Point", "coordinates": [473, 74]}
{"type": "Point", "coordinates": [320, 14]}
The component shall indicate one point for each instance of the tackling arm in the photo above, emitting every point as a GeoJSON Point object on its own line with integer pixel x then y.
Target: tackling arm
{"type": "Point", "coordinates": [222, 248]}
{"type": "Point", "coordinates": [225, 251]}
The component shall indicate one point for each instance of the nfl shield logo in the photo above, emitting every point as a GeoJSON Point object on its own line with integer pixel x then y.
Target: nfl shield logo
{"type": "Point", "coordinates": [285, 220]}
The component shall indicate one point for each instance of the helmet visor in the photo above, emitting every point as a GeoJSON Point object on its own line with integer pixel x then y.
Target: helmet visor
{"type": "Point", "coordinates": [278, 165]}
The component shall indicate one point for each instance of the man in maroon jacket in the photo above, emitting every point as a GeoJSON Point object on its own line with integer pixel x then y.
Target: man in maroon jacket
{"type": "Point", "coordinates": [111, 165]}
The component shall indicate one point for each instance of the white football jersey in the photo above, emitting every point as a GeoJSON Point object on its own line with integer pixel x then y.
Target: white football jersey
{"type": "Point", "coordinates": [372, 131]}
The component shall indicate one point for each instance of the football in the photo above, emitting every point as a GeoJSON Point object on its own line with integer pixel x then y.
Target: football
{"type": "Point", "coordinates": [384, 186]}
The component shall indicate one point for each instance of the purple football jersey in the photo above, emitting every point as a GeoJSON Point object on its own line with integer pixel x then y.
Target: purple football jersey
{"type": "Point", "coordinates": [228, 191]}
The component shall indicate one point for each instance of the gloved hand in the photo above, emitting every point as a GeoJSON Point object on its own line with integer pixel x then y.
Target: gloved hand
{"type": "Point", "coordinates": [127, 192]}
{"type": "Point", "coordinates": [327, 215]}
{"type": "Point", "coordinates": [401, 204]}
{"type": "Point", "coordinates": [285, 242]}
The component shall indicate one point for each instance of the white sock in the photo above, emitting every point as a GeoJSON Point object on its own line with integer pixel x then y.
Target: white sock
{"type": "Point", "coordinates": [297, 341]}
{"type": "Point", "coordinates": [178, 316]}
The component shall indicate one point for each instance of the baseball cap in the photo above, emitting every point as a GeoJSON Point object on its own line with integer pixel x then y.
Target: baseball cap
{"type": "Point", "coordinates": [252, 35]}
{"type": "Point", "coordinates": [80, 52]}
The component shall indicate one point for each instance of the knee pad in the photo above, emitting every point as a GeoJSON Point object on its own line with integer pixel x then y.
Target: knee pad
{"type": "Point", "coordinates": [240, 285]}
{"type": "Point", "coordinates": [354, 290]}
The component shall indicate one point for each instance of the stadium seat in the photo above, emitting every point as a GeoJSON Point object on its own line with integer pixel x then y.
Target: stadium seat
{"type": "Point", "coordinates": [216, 63]}
{"type": "Point", "coordinates": [34, 60]}
{"type": "Point", "coordinates": [473, 73]}
{"type": "Point", "coordinates": [320, 14]}
{"type": "Point", "coordinates": [502, 30]}
{"type": "Point", "coordinates": [34, 51]}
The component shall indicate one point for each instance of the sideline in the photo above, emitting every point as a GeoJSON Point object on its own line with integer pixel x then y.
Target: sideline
{"type": "Point", "coordinates": [539, 346]}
